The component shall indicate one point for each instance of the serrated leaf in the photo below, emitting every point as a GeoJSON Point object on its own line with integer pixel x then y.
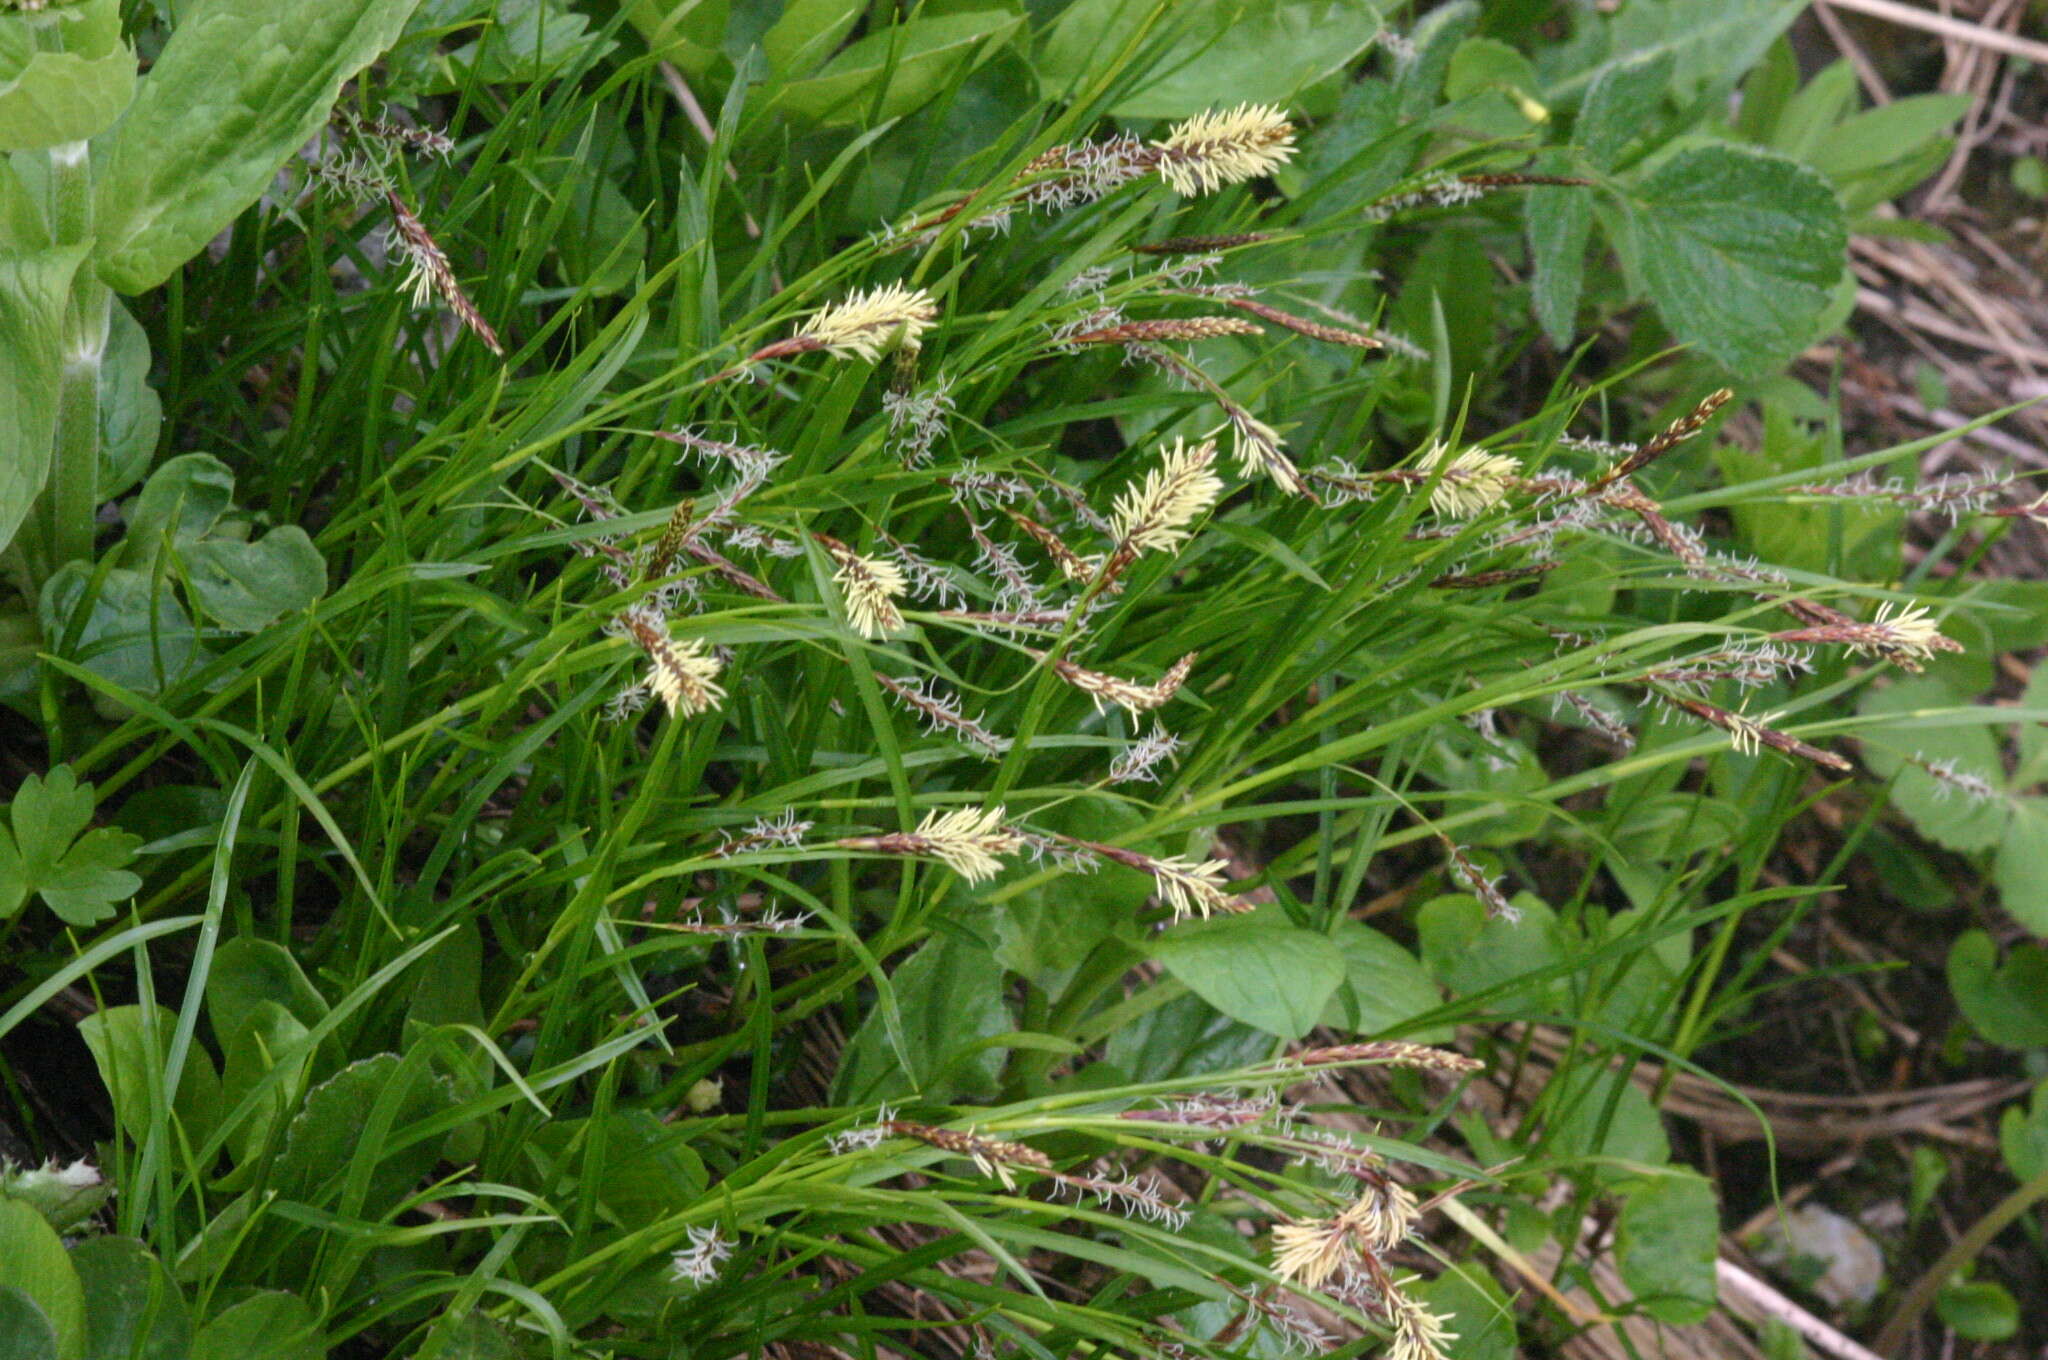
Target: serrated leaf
{"type": "Point", "coordinates": [48, 813]}
{"type": "Point", "coordinates": [1739, 250]}
{"type": "Point", "coordinates": [1559, 222]}
{"type": "Point", "coordinates": [33, 288]}
{"type": "Point", "coordinates": [89, 882]}
{"type": "Point", "coordinates": [1620, 104]}
{"type": "Point", "coordinates": [240, 87]}
{"type": "Point", "coordinates": [50, 96]}
{"type": "Point", "coordinates": [1274, 978]}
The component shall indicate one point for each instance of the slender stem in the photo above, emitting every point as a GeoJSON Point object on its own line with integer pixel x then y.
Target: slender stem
{"type": "Point", "coordinates": [1959, 1254]}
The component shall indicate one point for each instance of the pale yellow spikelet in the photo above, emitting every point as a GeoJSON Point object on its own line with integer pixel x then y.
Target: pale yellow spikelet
{"type": "Point", "coordinates": [684, 674]}
{"type": "Point", "coordinates": [1213, 149]}
{"type": "Point", "coordinates": [869, 323]}
{"type": "Point", "coordinates": [1473, 480]}
{"type": "Point", "coordinates": [1193, 889]}
{"type": "Point", "coordinates": [968, 840]}
{"type": "Point", "coordinates": [1154, 515]}
{"type": "Point", "coordinates": [870, 586]}
{"type": "Point", "coordinates": [1912, 631]}
{"type": "Point", "coordinates": [1259, 453]}
{"type": "Point", "coordinates": [1419, 1334]}
{"type": "Point", "coordinates": [1311, 1250]}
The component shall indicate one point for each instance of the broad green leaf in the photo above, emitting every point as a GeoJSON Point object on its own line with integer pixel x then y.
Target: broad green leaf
{"type": "Point", "coordinates": [2033, 736]}
{"type": "Point", "coordinates": [2006, 1002]}
{"type": "Point", "coordinates": [136, 634]}
{"type": "Point", "coordinates": [183, 498]}
{"type": "Point", "coordinates": [240, 87]}
{"type": "Point", "coordinates": [1666, 1246]}
{"type": "Point", "coordinates": [248, 586]}
{"type": "Point", "coordinates": [1878, 137]}
{"type": "Point", "coordinates": [248, 972]}
{"type": "Point", "coordinates": [80, 877]}
{"type": "Point", "coordinates": [49, 97]}
{"type": "Point", "coordinates": [33, 288]}
{"type": "Point", "coordinates": [1470, 952]}
{"type": "Point", "coordinates": [1274, 978]}
{"type": "Point", "coordinates": [2023, 1136]}
{"type": "Point", "coordinates": [125, 1060]}
{"type": "Point", "coordinates": [1938, 811]}
{"type": "Point", "coordinates": [1383, 986]}
{"type": "Point", "coordinates": [2021, 872]}
{"type": "Point", "coordinates": [1560, 222]}
{"type": "Point", "coordinates": [325, 1137]}
{"type": "Point", "coordinates": [1622, 104]}
{"type": "Point", "coordinates": [131, 413]}
{"type": "Point", "coordinates": [1494, 89]}
{"type": "Point", "coordinates": [897, 70]}
{"type": "Point", "coordinates": [132, 1310]}
{"type": "Point", "coordinates": [649, 1170]}
{"type": "Point", "coordinates": [1740, 250]}
{"type": "Point", "coordinates": [950, 995]}
{"type": "Point", "coordinates": [267, 1031]}
{"type": "Point", "coordinates": [524, 41]}
{"type": "Point", "coordinates": [807, 32]}
{"type": "Point", "coordinates": [686, 33]}
{"type": "Point", "coordinates": [25, 1330]}
{"type": "Point", "coordinates": [1583, 1125]}
{"type": "Point", "coordinates": [1184, 1037]}
{"type": "Point", "coordinates": [273, 1325]}
{"type": "Point", "coordinates": [1978, 1310]}
{"type": "Point", "coordinates": [1709, 41]}
{"type": "Point", "coordinates": [1218, 53]}
{"type": "Point", "coordinates": [1043, 934]}
{"type": "Point", "coordinates": [32, 1260]}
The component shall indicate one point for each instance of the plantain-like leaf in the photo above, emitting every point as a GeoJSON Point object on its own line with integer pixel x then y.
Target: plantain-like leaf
{"type": "Point", "coordinates": [52, 95]}
{"type": "Point", "coordinates": [241, 85]}
{"type": "Point", "coordinates": [32, 292]}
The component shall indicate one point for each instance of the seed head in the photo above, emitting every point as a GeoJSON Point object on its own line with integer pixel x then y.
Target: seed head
{"type": "Point", "coordinates": [1213, 149]}
{"type": "Point", "coordinates": [870, 586]}
{"type": "Point", "coordinates": [1153, 516]}
{"type": "Point", "coordinates": [684, 674]}
{"type": "Point", "coordinates": [1473, 480]}
{"type": "Point", "coordinates": [868, 323]}
{"type": "Point", "coordinates": [967, 840]}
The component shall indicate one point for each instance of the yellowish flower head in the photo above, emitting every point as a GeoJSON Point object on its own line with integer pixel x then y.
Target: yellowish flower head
{"type": "Point", "coordinates": [1213, 149]}
{"type": "Point", "coordinates": [867, 324]}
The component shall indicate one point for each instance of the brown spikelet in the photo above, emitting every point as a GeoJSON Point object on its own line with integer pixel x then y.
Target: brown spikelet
{"type": "Point", "coordinates": [1517, 180]}
{"type": "Point", "coordinates": [1746, 734]}
{"type": "Point", "coordinates": [992, 1156]}
{"type": "Point", "coordinates": [1391, 1052]}
{"type": "Point", "coordinates": [1141, 332]}
{"type": "Point", "coordinates": [1072, 565]}
{"type": "Point", "coordinates": [675, 536]}
{"type": "Point", "coordinates": [1202, 245]}
{"type": "Point", "coordinates": [1314, 330]}
{"type": "Point", "coordinates": [431, 272]}
{"type": "Point", "coordinates": [1670, 437]}
{"type": "Point", "coordinates": [1505, 576]}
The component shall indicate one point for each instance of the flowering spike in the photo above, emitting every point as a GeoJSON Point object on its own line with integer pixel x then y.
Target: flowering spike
{"type": "Point", "coordinates": [868, 323]}
{"type": "Point", "coordinates": [1153, 516]}
{"type": "Point", "coordinates": [1210, 150]}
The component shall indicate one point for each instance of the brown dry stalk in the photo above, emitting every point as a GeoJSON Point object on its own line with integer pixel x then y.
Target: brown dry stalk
{"type": "Point", "coordinates": [1143, 332]}
{"type": "Point", "coordinates": [1202, 245]}
{"type": "Point", "coordinates": [1314, 330]}
{"type": "Point", "coordinates": [1745, 733]}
